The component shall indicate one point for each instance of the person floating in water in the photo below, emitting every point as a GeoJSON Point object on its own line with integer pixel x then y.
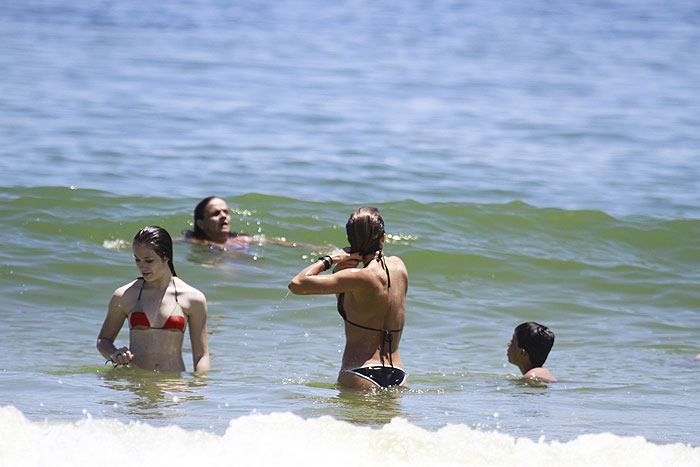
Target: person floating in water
{"type": "Point", "coordinates": [158, 306]}
{"type": "Point", "coordinates": [528, 349]}
{"type": "Point", "coordinates": [371, 301]}
{"type": "Point", "coordinates": [212, 227]}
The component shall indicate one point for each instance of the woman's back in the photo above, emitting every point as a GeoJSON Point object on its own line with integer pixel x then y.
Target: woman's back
{"type": "Point", "coordinates": [373, 309]}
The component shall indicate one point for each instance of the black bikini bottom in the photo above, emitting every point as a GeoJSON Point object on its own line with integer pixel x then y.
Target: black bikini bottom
{"type": "Point", "coordinates": [383, 376]}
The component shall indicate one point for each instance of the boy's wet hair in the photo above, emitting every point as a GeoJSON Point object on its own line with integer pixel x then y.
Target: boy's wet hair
{"type": "Point", "coordinates": [537, 339]}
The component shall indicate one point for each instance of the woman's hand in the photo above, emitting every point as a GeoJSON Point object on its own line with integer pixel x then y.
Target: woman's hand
{"type": "Point", "coordinates": [345, 260]}
{"type": "Point", "coordinates": [121, 356]}
{"type": "Point", "coordinates": [310, 280]}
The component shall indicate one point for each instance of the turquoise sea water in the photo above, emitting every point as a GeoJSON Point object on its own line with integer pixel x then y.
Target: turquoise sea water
{"type": "Point", "coordinates": [532, 162]}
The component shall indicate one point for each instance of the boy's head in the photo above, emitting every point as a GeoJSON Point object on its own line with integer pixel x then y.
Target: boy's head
{"type": "Point", "coordinates": [534, 339]}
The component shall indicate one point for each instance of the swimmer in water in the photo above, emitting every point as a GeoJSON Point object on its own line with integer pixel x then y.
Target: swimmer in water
{"type": "Point", "coordinates": [529, 348]}
{"type": "Point", "coordinates": [212, 227]}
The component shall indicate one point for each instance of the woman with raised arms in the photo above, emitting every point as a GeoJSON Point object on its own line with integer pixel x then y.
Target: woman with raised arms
{"type": "Point", "coordinates": [158, 306]}
{"type": "Point", "coordinates": [371, 301]}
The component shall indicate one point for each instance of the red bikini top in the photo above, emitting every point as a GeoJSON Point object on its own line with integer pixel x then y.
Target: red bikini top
{"type": "Point", "coordinates": [175, 322]}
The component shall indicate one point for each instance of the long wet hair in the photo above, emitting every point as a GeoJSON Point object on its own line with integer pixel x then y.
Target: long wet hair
{"type": "Point", "coordinates": [365, 228]}
{"type": "Point", "coordinates": [198, 215]}
{"type": "Point", "coordinates": [160, 240]}
{"type": "Point", "coordinates": [537, 339]}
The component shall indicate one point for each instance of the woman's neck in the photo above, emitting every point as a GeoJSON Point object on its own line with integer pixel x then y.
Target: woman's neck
{"type": "Point", "coordinates": [162, 282]}
{"type": "Point", "coordinates": [367, 259]}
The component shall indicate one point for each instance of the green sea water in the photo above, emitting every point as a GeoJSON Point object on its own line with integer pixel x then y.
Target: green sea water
{"type": "Point", "coordinates": [620, 294]}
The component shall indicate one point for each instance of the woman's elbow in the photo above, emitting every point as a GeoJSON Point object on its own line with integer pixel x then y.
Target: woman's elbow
{"type": "Point", "coordinates": [295, 287]}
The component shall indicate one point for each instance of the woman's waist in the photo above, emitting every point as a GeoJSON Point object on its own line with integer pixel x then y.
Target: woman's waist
{"type": "Point", "coordinates": [156, 343]}
{"type": "Point", "coordinates": [353, 358]}
{"type": "Point", "coordinates": [159, 362]}
{"type": "Point", "coordinates": [367, 343]}
{"type": "Point", "coordinates": [156, 359]}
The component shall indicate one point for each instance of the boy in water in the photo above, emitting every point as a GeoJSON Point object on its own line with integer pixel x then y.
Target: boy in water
{"type": "Point", "coordinates": [528, 349]}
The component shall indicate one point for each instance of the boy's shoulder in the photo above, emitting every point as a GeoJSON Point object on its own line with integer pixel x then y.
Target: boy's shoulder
{"type": "Point", "coordinates": [541, 374]}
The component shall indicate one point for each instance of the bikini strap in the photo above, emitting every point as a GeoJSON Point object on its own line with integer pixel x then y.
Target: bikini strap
{"type": "Point", "coordinates": [341, 312]}
{"type": "Point", "coordinates": [383, 331]}
{"type": "Point", "coordinates": [144, 283]}
{"type": "Point", "coordinates": [388, 337]}
{"type": "Point", "coordinates": [141, 289]}
{"type": "Point", "coordinates": [381, 259]}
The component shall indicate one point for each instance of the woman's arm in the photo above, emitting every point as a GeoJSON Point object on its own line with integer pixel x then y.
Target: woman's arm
{"type": "Point", "coordinates": [345, 277]}
{"type": "Point", "coordinates": [197, 317]}
{"type": "Point", "coordinates": [116, 314]}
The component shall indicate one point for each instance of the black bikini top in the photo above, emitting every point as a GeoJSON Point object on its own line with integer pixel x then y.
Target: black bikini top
{"type": "Point", "coordinates": [341, 312]}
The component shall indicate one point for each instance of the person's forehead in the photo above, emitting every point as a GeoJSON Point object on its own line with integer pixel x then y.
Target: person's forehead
{"type": "Point", "coordinates": [217, 204]}
{"type": "Point", "coordinates": [144, 250]}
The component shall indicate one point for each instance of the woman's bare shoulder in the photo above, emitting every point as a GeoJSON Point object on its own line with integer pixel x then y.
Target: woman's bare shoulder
{"type": "Point", "coordinates": [397, 264]}
{"type": "Point", "coordinates": [124, 298]}
{"type": "Point", "coordinates": [126, 289]}
{"type": "Point", "coordinates": [186, 290]}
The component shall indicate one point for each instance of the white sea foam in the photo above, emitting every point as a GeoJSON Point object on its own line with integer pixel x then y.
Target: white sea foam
{"type": "Point", "coordinates": [287, 439]}
{"type": "Point", "coordinates": [117, 244]}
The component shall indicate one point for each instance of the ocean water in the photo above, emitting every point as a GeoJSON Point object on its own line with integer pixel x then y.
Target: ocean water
{"type": "Point", "coordinates": [532, 162]}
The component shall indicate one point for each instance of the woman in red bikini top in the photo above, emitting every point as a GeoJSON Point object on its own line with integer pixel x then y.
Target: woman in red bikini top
{"type": "Point", "coordinates": [158, 306]}
{"type": "Point", "coordinates": [371, 301]}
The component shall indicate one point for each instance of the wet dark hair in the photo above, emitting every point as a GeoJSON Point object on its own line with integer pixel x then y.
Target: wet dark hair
{"type": "Point", "coordinates": [199, 214]}
{"type": "Point", "coordinates": [160, 240]}
{"type": "Point", "coordinates": [365, 228]}
{"type": "Point", "coordinates": [537, 339]}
